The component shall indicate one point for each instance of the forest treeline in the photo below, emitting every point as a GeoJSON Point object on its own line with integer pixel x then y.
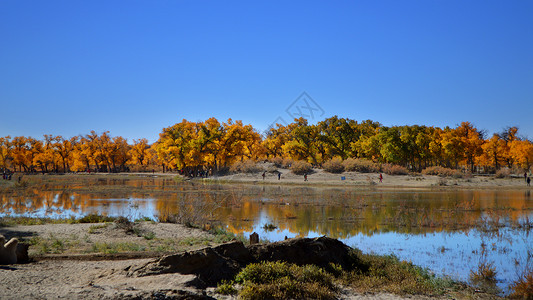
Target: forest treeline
{"type": "Point", "coordinates": [212, 145]}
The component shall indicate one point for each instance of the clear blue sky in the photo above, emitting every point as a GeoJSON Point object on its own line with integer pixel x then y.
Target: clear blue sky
{"type": "Point", "coordinates": [134, 67]}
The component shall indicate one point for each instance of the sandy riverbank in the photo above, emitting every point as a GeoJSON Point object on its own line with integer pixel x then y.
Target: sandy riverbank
{"type": "Point", "coordinates": [354, 179]}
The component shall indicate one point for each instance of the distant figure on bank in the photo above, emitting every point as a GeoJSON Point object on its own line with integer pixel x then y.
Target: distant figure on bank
{"type": "Point", "coordinates": [264, 174]}
{"type": "Point", "coordinates": [305, 177]}
{"type": "Point", "coordinates": [279, 175]}
{"type": "Point", "coordinates": [380, 177]}
{"type": "Point", "coordinates": [528, 181]}
{"type": "Point", "coordinates": [525, 176]}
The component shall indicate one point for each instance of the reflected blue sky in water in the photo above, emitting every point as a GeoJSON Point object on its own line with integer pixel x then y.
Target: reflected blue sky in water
{"type": "Point", "coordinates": [444, 252]}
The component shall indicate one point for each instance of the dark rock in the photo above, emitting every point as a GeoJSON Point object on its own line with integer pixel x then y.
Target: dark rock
{"type": "Point", "coordinates": [254, 238]}
{"type": "Point", "coordinates": [211, 265]}
{"type": "Point", "coordinates": [305, 251]}
{"type": "Point", "coordinates": [161, 295]}
{"type": "Point", "coordinates": [22, 253]}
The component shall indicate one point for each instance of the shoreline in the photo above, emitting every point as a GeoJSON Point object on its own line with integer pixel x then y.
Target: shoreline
{"type": "Point", "coordinates": [322, 179]}
{"type": "Point", "coordinates": [84, 275]}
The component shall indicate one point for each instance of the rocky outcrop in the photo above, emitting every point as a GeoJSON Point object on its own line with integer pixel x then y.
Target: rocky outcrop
{"type": "Point", "coordinates": [211, 265]}
{"type": "Point", "coordinates": [8, 252]}
{"type": "Point", "coordinates": [305, 251]}
{"type": "Point", "coordinates": [22, 253]}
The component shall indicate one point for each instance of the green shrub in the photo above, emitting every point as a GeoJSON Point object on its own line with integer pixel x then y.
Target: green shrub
{"type": "Point", "coordinates": [388, 274]}
{"type": "Point", "coordinates": [301, 167]}
{"type": "Point", "coordinates": [226, 288]}
{"type": "Point", "coordinates": [95, 218]}
{"type": "Point", "coordinates": [360, 165]}
{"type": "Point", "coordinates": [334, 166]}
{"type": "Point", "coordinates": [280, 280]}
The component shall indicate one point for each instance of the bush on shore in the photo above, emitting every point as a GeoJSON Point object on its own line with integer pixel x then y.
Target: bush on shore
{"type": "Point", "coordinates": [503, 173]}
{"type": "Point", "coordinates": [280, 280]}
{"type": "Point", "coordinates": [371, 274]}
{"type": "Point", "coordinates": [287, 163]}
{"type": "Point", "coordinates": [523, 287]}
{"type": "Point", "coordinates": [394, 169]}
{"type": "Point", "coordinates": [301, 167]}
{"type": "Point", "coordinates": [334, 166]}
{"type": "Point", "coordinates": [276, 161]}
{"type": "Point", "coordinates": [247, 166]}
{"type": "Point", "coordinates": [360, 165]}
{"type": "Point", "coordinates": [441, 171]}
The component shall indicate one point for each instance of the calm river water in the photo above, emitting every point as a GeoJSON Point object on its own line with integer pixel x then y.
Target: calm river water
{"type": "Point", "coordinates": [448, 231]}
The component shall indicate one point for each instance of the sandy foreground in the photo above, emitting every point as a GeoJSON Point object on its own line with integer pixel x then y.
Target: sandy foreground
{"type": "Point", "coordinates": [91, 276]}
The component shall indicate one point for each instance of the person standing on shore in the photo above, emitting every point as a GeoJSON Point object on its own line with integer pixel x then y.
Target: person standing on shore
{"type": "Point", "coordinates": [305, 177]}
{"type": "Point", "coordinates": [380, 177]}
{"type": "Point", "coordinates": [528, 180]}
{"type": "Point", "coordinates": [264, 174]}
{"type": "Point", "coordinates": [279, 175]}
{"type": "Point", "coordinates": [525, 176]}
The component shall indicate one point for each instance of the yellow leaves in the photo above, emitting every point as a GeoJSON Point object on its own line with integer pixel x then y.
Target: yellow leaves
{"type": "Point", "coordinates": [522, 152]}
{"type": "Point", "coordinates": [140, 152]}
{"type": "Point", "coordinates": [209, 143]}
{"type": "Point", "coordinates": [212, 144]}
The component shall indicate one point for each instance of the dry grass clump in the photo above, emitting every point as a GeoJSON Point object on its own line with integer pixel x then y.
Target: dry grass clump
{"type": "Point", "coordinates": [280, 280]}
{"type": "Point", "coordinates": [389, 274]}
{"type": "Point", "coordinates": [281, 162]}
{"type": "Point", "coordinates": [368, 274]}
{"type": "Point", "coordinates": [503, 173]}
{"type": "Point", "coordinates": [301, 167]}
{"type": "Point", "coordinates": [247, 166]}
{"type": "Point", "coordinates": [287, 163]}
{"type": "Point", "coordinates": [360, 165]}
{"type": "Point", "coordinates": [276, 161]}
{"type": "Point", "coordinates": [334, 166]}
{"type": "Point", "coordinates": [523, 287]}
{"type": "Point", "coordinates": [484, 276]}
{"type": "Point", "coordinates": [395, 169]}
{"type": "Point", "coordinates": [441, 171]}
{"type": "Point", "coordinates": [190, 212]}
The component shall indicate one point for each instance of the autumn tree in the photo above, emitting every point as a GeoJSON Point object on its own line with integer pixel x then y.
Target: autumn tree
{"type": "Point", "coordinates": [22, 153]}
{"type": "Point", "coordinates": [494, 151]}
{"type": "Point", "coordinates": [140, 152]}
{"type": "Point", "coordinates": [64, 148]}
{"type": "Point", "coordinates": [508, 135]}
{"type": "Point", "coordinates": [301, 143]}
{"type": "Point", "coordinates": [471, 141]}
{"type": "Point", "coordinates": [275, 138]}
{"type": "Point", "coordinates": [43, 154]}
{"type": "Point", "coordinates": [5, 151]}
{"type": "Point", "coordinates": [337, 135]}
{"type": "Point", "coordinates": [175, 146]}
{"type": "Point", "coordinates": [521, 151]}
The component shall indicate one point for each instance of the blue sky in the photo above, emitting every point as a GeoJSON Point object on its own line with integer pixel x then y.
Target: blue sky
{"type": "Point", "coordinates": [135, 67]}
